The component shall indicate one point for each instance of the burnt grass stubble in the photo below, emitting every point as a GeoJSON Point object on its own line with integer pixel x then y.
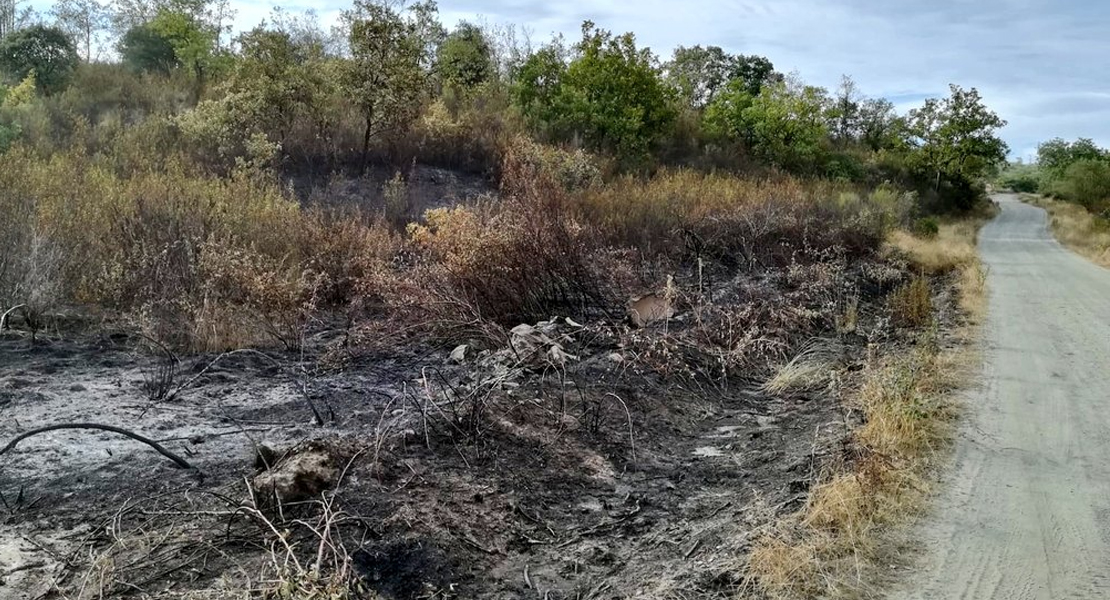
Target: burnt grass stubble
{"type": "Point", "coordinates": [623, 462]}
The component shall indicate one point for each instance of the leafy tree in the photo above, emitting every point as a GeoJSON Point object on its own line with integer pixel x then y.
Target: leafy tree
{"type": "Point", "coordinates": [83, 20]}
{"type": "Point", "coordinates": [755, 72]}
{"type": "Point", "coordinates": [699, 73]}
{"type": "Point", "coordinates": [144, 49]}
{"type": "Point", "coordinates": [844, 113]}
{"type": "Point", "coordinates": [11, 101]}
{"type": "Point", "coordinates": [1056, 155]}
{"type": "Point", "coordinates": [610, 96]}
{"type": "Point", "coordinates": [45, 51]}
{"type": "Point", "coordinates": [385, 75]}
{"type": "Point", "coordinates": [192, 40]}
{"type": "Point", "coordinates": [465, 57]}
{"type": "Point", "coordinates": [786, 124]}
{"type": "Point", "coordinates": [539, 82]}
{"type": "Point", "coordinates": [724, 117]}
{"type": "Point", "coordinates": [275, 80]}
{"type": "Point", "coordinates": [880, 127]}
{"type": "Point", "coordinates": [954, 138]}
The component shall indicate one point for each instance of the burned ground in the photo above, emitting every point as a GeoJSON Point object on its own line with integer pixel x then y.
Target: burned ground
{"type": "Point", "coordinates": [574, 461]}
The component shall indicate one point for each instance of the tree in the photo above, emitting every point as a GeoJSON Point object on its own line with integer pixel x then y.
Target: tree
{"type": "Point", "coordinates": [193, 41]}
{"type": "Point", "coordinates": [1056, 155]}
{"type": "Point", "coordinates": [786, 124]}
{"type": "Point", "coordinates": [880, 127]}
{"type": "Point", "coordinates": [611, 96]}
{"type": "Point", "coordinates": [7, 17]}
{"type": "Point", "coordinates": [755, 72]}
{"type": "Point", "coordinates": [146, 50]}
{"type": "Point", "coordinates": [724, 117]}
{"type": "Point", "coordinates": [83, 20]}
{"type": "Point", "coordinates": [465, 57]}
{"type": "Point", "coordinates": [699, 73]}
{"type": "Point", "coordinates": [844, 113]}
{"type": "Point", "coordinates": [385, 75]}
{"type": "Point", "coordinates": [47, 52]}
{"type": "Point", "coordinates": [954, 138]}
{"type": "Point", "coordinates": [275, 78]}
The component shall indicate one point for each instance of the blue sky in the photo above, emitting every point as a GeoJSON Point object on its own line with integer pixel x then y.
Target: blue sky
{"type": "Point", "coordinates": [1041, 64]}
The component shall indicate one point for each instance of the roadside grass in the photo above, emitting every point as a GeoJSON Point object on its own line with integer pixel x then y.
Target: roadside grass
{"type": "Point", "coordinates": [839, 542]}
{"type": "Point", "coordinates": [1077, 228]}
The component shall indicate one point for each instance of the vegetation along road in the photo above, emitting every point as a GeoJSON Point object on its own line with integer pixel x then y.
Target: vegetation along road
{"type": "Point", "coordinates": [1026, 513]}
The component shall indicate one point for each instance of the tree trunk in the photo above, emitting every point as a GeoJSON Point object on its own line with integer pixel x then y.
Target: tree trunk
{"type": "Point", "coordinates": [366, 142]}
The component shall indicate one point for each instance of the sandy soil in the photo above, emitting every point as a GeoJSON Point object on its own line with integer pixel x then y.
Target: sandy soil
{"type": "Point", "coordinates": [1025, 513]}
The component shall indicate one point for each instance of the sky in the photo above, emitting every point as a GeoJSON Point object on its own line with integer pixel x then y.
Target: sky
{"type": "Point", "coordinates": [1040, 64]}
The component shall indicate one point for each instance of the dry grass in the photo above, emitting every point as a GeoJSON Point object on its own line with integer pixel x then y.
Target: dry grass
{"type": "Point", "coordinates": [951, 250]}
{"type": "Point", "coordinates": [1078, 229]}
{"type": "Point", "coordinates": [810, 369]}
{"type": "Point", "coordinates": [837, 543]}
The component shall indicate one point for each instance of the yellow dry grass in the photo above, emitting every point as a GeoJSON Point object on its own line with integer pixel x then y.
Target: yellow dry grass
{"type": "Point", "coordinates": [1076, 228]}
{"type": "Point", "coordinates": [952, 249]}
{"type": "Point", "coordinates": [832, 547]}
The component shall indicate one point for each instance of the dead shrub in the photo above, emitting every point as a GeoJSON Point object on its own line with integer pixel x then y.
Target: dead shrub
{"type": "Point", "coordinates": [521, 260]}
{"type": "Point", "coordinates": [734, 222]}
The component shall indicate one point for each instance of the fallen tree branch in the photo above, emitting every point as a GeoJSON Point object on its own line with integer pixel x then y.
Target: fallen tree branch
{"type": "Point", "coordinates": [181, 462]}
{"type": "Point", "coordinates": [4, 317]}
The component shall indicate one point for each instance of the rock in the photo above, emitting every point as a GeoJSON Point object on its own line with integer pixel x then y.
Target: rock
{"type": "Point", "coordinates": [301, 473]}
{"type": "Point", "coordinates": [458, 355]}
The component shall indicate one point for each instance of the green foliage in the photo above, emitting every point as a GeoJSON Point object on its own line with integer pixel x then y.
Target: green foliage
{"type": "Point", "coordinates": [465, 59]}
{"type": "Point", "coordinates": [192, 40]}
{"type": "Point", "coordinates": [14, 100]}
{"type": "Point", "coordinates": [1021, 178]}
{"type": "Point", "coordinates": [699, 73]}
{"type": "Point", "coordinates": [610, 96]}
{"type": "Point", "coordinates": [880, 127]}
{"type": "Point", "coordinates": [785, 124]}
{"type": "Point", "coordinates": [1086, 182]}
{"type": "Point", "coordinates": [724, 117]}
{"type": "Point", "coordinates": [385, 75]}
{"type": "Point", "coordinates": [46, 52]}
{"type": "Point", "coordinates": [145, 50]}
{"type": "Point", "coordinates": [955, 137]}
{"type": "Point", "coordinates": [170, 40]}
{"type": "Point", "coordinates": [1056, 155]}
{"type": "Point", "coordinates": [926, 227]}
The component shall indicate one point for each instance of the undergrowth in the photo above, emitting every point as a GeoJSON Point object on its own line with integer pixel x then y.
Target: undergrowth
{"type": "Point", "coordinates": [1077, 228]}
{"type": "Point", "coordinates": [833, 546]}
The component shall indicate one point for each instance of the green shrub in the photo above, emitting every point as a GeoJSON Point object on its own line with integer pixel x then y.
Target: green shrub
{"type": "Point", "coordinates": [926, 227]}
{"type": "Point", "coordinates": [1021, 178]}
{"type": "Point", "coordinates": [1086, 182]}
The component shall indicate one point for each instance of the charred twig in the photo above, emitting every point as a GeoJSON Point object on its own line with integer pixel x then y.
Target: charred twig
{"type": "Point", "coordinates": [308, 400]}
{"type": "Point", "coordinates": [181, 462]}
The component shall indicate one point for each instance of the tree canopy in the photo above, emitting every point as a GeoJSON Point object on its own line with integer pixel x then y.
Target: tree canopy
{"type": "Point", "coordinates": [46, 52]}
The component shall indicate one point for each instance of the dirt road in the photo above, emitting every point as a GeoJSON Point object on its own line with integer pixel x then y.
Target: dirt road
{"type": "Point", "coordinates": [1025, 513]}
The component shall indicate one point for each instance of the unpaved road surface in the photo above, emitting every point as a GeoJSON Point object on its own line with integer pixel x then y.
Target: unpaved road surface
{"type": "Point", "coordinates": [1026, 511]}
